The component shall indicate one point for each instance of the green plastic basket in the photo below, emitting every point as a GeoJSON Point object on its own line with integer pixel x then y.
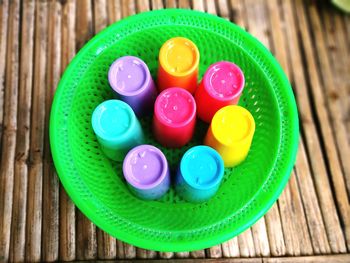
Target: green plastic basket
{"type": "Point", "coordinates": [96, 184]}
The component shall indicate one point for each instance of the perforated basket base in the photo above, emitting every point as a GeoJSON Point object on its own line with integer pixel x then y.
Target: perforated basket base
{"type": "Point", "coordinates": [96, 184]}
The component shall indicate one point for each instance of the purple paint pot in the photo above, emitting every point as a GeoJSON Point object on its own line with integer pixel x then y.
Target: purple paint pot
{"type": "Point", "coordinates": [146, 171]}
{"type": "Point", "coordinates": [131, 80]}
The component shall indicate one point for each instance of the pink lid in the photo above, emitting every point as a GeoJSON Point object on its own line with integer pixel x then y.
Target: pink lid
{"type": "Point", "coordinates": [175, 107]}
{"type": "Point", "coordinates": [224, 81]}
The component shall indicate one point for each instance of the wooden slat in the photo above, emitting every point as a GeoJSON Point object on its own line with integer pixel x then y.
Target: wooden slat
{"type": "Point", "coordinates": [257, 20]}
{"type": "Point", "coordinates": [214, 252]}
{"type": "Point", "coordinates": [3, 44]}
{"type": "Point", "coordinates": [129, 251]}
{"type": "Point", "coordinates": [223, 9]}
{"type": "Point", "coordinates": [166, 255]}
{"type": "Point", "coordinates": [141, 253]}
{"type": "Point", "coordinates": [144, 253]}
{"type": "Point", "coordinates": [277, 36]}
{"type": "Point", "coordinates": [86, 242]}
{"type": "Point", "coordinates": [67, 208]}
{"type": "Point", "coordinates": [321, 84]}
{"type": "Point", "coordinates": [168, 4]}
{"type": "Point", "coordinates": [50, 238]}
{"type": "Point", "coordinates": [238, 13]}
{"type": "Point", "coordinates": [301, 243]}
{"type": "Point", "coordinates": [339, 56]}
{"type": "Point", "coordinates": [156, 4]}
{"type": "Point", "coordinates": [246, 244]}
{"type": "Point", "coordinates": [142, 5]}
{"type": "Point", "coordinates": [327, 205]}
{"type": "Point", "coordinates": [342, 29]}
{"type": "Point", "coordinates": [128, 7]}
{"type": "Point", "coordinates": [197, 254]}
{"type": "Point", "coordinates": [186, 4]}
{"type": "Point", "coordinates": [338, 53]}
{"type": "Point", "coordinates": [114, 11]}
{"type": "Point", "coordinates": [312, 210]}
{"type": "Point", "coordinates": [184, 254]}
{"type": "Point", "coordinates": [346, 22]}
{"type": "Point", "coordinates": [100, 15]}
{"type": "Point", "coordinates": [9, 131]}
{"type": "Point", "coordinates": [84, 29]}
{"type": "Point", "coordinates": [210, 7]}
{"type": "Point", "coordinates": [120, 250]}
{"type": "Point", "coordinates": [18, 227]}
{"type": "Point", "coordinates": [152, 254]}
{"type": "Point", "coordinates": [67, 227]}
{"type": "Point", "coordinates": [35, 177]}
{"type": "Point", "coordinates": [230, 248]}
{"type": "Point", "coordinates": [198, 5]}
{"type": "Point", "coordinates": [290, 238]}
{"type": "Point", "coordinates": [107, 245]}
{"type": "Point", "coordinates": [274, 231]}
{"type": "Point", "coordinates": [261, 242]}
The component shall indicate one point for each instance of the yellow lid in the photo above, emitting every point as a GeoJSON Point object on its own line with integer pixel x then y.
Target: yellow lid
{"type": "Point", "coordinates": [232, 124]}
{"type": "Point", "coordinates": [179, 56]}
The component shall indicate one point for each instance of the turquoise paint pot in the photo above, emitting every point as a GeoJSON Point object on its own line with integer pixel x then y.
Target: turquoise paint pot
{"type": "Point", "coordinates": [200, 173]}
{"type": "Point", "coordinates": [117, 128]}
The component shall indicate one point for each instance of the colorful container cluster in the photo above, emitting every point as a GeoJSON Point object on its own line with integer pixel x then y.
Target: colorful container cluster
{"type": "Point", "coordinates": [175, 109]}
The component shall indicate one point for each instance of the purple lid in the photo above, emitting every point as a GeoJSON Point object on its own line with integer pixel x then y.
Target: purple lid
{"type": "Point", "coordinates": [128, 76]}
{"type": "Point", "coordinates": [145, 166]}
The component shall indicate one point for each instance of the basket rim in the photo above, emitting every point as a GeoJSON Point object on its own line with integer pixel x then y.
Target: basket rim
{"type": "Point", "coordinates": [184, 245]}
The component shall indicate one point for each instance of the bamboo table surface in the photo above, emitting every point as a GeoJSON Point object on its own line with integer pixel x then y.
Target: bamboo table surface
{"type": "Point", "coordinates": [310, 221]}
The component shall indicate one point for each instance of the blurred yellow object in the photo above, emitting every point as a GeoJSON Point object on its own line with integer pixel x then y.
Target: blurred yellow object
{"type": "Point", "coordinates": [231, 133]}
{"type": "Point", "coordinates": [342, 4]}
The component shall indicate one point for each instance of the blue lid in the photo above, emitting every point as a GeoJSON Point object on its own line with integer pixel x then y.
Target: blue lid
{"type": "Point", "coordinates": [202, 167]}
{"type": "Point", "coordinates": [112, 120]}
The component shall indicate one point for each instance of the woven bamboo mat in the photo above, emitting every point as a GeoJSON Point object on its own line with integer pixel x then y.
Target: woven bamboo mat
{"type": "Point", "coordinates": [311, 220]}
